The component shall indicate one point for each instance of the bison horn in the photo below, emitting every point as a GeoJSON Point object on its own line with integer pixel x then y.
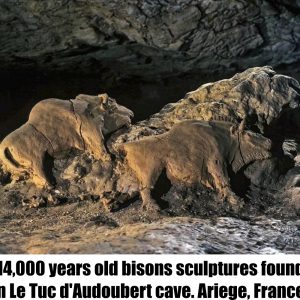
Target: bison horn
{"type": "Point", "coordinates": [242, 125]}
{"type": "Point", "coordinates": [103, 98]}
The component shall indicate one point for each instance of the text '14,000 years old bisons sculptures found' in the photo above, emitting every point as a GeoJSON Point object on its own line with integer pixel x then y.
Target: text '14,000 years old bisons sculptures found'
{"type": "Point", "coordinates": [241, 126]}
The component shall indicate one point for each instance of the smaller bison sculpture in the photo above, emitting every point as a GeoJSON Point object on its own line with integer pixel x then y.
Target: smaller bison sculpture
{"type": "Point", "coordinates": [194, 152]}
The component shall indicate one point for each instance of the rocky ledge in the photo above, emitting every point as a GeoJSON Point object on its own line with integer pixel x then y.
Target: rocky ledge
{"type": "Point", "coordinates": [148, 39]}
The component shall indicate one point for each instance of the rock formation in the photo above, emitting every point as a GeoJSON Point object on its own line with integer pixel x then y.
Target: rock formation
{"type": "Point", "coordinates": [149, 38]}
{"type": "Point", "coordinates": [259, 93]}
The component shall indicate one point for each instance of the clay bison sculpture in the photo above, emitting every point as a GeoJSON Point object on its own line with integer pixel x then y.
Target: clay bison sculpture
{"type": "Point", "coordinates": [194, 152]}
{"type": "Point", "coordinates": [56, 126]}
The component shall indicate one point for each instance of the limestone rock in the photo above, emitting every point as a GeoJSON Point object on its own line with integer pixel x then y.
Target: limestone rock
{"type": "Point", "coordinates": [148, 38]}
{"type": "Point", "coordinates": [259, 92]}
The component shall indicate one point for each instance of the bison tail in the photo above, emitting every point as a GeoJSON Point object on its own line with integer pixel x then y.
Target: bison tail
{"type": "Point", "coordinates": [121, 149]}
{"type": "Point", "coordinates": [8, 160]}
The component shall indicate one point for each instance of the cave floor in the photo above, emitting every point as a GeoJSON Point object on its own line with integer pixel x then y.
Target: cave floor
{"type": "Point", "coordinates": [83, 227]}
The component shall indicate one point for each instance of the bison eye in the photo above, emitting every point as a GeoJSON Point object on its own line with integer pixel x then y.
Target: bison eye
{"type": "Point", "coordinates": [112, 108]}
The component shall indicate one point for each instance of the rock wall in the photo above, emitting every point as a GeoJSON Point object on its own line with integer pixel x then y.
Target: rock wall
{"type": "Point", "coordinates": [148, 38]}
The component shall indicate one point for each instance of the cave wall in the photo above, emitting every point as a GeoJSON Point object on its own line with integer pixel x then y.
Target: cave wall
{"type": "Point", "coordinates": [148, 38]}
{"type": "Point", "coordinates": [145, 53]}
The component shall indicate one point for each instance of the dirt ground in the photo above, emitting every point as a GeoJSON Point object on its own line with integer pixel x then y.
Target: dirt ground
{"type": "Point", "coordinates": [85, 227]}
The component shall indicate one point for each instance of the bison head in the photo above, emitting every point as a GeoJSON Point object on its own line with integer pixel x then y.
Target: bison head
{"type": "Point", "coordinates": [115, 115]}
{"type": "Point", "coordinates": [251, 146]}
{"type": "Point", "coordinates": [106, 112]}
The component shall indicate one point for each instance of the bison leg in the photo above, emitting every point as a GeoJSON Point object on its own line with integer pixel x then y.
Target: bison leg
{"type": "Point", "coordinates": [149, 203]}
{"type": "Point", "coordinates": [42, 169]}
{"type": "Point", "coordinates": [221, 181]}
{"type": "Point", "coordinates": [93, 140]}
{"type": "Point", "coordinates": [144, 159]}
{"type": "Point", "coordinates": [148, 180]}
